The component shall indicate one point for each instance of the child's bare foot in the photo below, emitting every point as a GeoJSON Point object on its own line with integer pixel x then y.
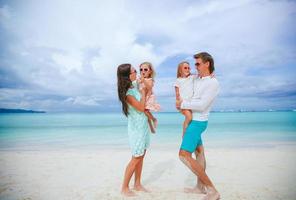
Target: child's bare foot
{"type": "Point", "coordinates": [140, 188]}
{"type": "Point", "coordinates": [127, 192]}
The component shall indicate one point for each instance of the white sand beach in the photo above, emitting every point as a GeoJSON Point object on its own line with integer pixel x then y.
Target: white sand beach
{"type": "Point", "coordinates": [239, 173]}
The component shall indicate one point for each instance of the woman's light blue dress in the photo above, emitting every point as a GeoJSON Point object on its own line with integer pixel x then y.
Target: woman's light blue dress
{"type": "Point", "coordinates": [138, 130]}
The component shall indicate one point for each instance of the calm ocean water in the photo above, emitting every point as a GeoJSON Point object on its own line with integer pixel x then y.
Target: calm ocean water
{"type": "Point", "coordinates": [105, 130]}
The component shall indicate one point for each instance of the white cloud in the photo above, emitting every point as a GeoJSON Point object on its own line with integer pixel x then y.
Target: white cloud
{"type": "Point", "coordinates": [68, 62]}
{"type": "Point", "coordinates": [5, 12]}
{"type": "Point", "coordinates": [53, 38]}
{"type": "Point", "coordinates": [84, 100]}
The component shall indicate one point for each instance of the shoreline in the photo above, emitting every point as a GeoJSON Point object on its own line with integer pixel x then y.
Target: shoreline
{"type": "Point", "coordinates": [153, 145]}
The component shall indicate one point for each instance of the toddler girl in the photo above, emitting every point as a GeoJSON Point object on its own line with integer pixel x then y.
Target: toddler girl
{"type": "Point", "coordinates": [184, 89]}
{"type": "Point", "coordinates": [147, 80]}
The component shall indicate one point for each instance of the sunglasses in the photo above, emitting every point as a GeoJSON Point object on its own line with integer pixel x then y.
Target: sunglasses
{"type": "Point", "coordinates": [134, 72]}
{"type": "Point", "coordinates": [197, 64]}
{"type": "Point", "coordinates": [144, 69]}
{"type": "Point", "coordinates": [186, 68]}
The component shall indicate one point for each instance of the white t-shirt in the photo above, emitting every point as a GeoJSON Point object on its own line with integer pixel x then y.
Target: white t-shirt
{"type": "Point", "coordinates": [185, 86]}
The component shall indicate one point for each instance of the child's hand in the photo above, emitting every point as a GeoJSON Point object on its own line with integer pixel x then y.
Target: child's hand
{"type": "Point", "coordinates": [142, 79]}
{"type": "Point", "coordinates": [138, 80]}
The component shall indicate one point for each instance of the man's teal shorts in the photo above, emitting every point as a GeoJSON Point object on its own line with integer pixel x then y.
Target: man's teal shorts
{"type": "Point", "coordinates": [192, 136]}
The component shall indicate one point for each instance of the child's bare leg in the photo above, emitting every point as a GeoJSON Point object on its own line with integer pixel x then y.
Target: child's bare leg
{"type": "Point", "coordinates": [151, 117]}
{"type": "Point", "coordinates": [188, 118]}
{"type": "Point", "coordinates": [149, 122]}
{"type": "Point", "coordinates": [151, 126]}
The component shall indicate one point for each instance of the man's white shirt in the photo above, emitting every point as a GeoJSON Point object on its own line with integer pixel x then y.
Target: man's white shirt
{"type": "Point", "coordinates": [205, 91]}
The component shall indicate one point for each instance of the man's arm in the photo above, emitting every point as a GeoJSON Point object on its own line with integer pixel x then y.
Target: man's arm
{"type": "Point", "coordinates": [206, 99]}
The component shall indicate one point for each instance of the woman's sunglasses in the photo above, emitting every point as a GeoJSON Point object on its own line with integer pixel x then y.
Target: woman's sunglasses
{"type": "Point", "coordinates": [134, 72]}
{"type": "Point", "coordinates": [186, 68]}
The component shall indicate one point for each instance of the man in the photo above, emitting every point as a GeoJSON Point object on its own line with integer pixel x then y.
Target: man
{"type": "Point", "coordinates": [206, 89]}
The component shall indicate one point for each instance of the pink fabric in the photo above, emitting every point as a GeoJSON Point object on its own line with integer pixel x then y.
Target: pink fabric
{"type": "Point", "coordinates": [151, 103]}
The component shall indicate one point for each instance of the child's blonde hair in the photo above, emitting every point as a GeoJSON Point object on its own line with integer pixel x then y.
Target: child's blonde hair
{"type": "Point", "coordinates": [152, 75]}
{"type": "Point", "coordinates": [179, 74]}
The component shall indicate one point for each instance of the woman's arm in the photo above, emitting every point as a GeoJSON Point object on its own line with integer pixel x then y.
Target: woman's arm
{"type": "Point", "coordinates": [138, 105]}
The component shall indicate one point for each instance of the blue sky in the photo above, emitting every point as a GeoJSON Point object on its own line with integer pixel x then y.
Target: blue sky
{"type": "Point", "coordinates": [61, 56]}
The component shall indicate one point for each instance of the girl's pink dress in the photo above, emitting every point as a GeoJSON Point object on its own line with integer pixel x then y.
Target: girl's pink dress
{"type": "Point", "coordinates": [151, 103]}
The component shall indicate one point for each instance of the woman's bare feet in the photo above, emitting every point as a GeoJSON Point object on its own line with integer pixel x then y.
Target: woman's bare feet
{"type": "Point", "coordinates": [140, 188]}
{"type": "Point", "coordinates": [127, 192]}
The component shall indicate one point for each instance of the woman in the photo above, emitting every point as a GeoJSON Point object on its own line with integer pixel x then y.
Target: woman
{"type": "Point", "coordinates": [133, 107]}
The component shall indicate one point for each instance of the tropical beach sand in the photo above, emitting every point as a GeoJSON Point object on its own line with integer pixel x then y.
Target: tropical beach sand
{"type": "Point", "coordinates": [239, 173]}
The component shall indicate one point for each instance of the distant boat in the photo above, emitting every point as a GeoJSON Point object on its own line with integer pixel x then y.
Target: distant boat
{"type": "Point", "coordinates": [6, 110]}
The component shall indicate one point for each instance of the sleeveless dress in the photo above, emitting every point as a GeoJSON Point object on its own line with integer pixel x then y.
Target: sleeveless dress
{"type": "Point", "coordinates": [138, 130]}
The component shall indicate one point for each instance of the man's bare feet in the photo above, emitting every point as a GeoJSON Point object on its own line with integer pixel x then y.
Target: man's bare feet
{"type": "Point", "coordinates": [195, 190]}
{"type": "Point", "coordinates": [140, 188]}
{"type": "Point", "coordinates": [127, 192]}
{"type": "Point", "coordinates": [212, 194]}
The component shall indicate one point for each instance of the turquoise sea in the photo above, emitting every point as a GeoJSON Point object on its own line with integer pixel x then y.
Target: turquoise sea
{"type": "Point", "coordinates": [81, 131]}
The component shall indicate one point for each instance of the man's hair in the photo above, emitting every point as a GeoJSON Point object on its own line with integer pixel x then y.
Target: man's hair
{"type": "Point", "coordinates": [206, 57]}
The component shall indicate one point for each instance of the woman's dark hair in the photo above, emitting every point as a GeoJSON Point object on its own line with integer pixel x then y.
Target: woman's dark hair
{"type": "Point", "coordinates": [123, 84]}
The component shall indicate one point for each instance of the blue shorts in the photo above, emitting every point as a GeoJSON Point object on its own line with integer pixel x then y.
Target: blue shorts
{"type": "Point", "coordinates": [192, 136]}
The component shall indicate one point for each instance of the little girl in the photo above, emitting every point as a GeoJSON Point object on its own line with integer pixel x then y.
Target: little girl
{"type": "Point", "coordinates": [184, 89]}
{"type": "Point", "coordinates": [147, 80]}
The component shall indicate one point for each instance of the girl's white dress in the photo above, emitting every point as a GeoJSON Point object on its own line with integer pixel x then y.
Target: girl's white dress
{"type": "Point", "coordinates": [185, 86]}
